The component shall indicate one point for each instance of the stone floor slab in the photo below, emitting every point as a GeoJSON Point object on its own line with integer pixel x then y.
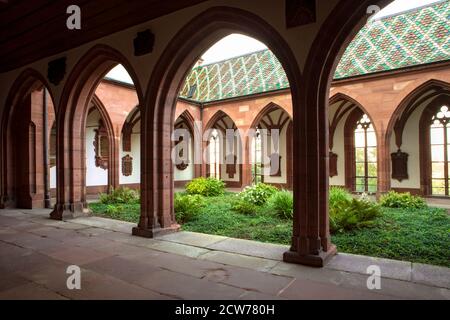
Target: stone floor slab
{"type": "Point", "coordinates": [239, 260]}
{"type": "Point", "coordinates": [10, 280]}
{"type": "Point", "coordinates": [177, 248]}
{"type": "Point", "coordinates": [185, 287]}
{"type": "Point", "coordinates": [104, 223]}
{"type": "Point", "coordinates": [122, 268]}
{"type": "Point", "coordinates": [192, 238]}
{"type": "Point", "coordinates": [393, 269]}
{"type": "Point", "coordinates": [431, 275]}
{"type": "Point", "coordinates": [76, 255]}
{"type": "Point", "coordinates": [354, 281]}
{"type": "Point", "coordinates": [262, 282]}
{"type": "Point", "coordinates": [251, 248]}
{"type": "Point", "coordinates": [30, 241]}
{"type": "Point", "coordinates": [30, 291]}
{"type": "Point", "coordinates": [309, 290]}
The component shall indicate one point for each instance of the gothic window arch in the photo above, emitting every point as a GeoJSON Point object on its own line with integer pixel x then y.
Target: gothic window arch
{"type": "Point", "coordinates": [224, 149]}
{"type": "Point", "coordinates": [434, 146]}
{"type": "Point", "coordinates": [361, 153]}
{"type": "Point", "coordinates": [271, 152]}
{"type": "Point", "coordinates": [365, 156]}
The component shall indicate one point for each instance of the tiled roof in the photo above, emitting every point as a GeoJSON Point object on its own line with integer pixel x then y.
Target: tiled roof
{"type": "Point", "coordinates": [413, 38]}
{"type": "Point", "coordinates": [249, 74]}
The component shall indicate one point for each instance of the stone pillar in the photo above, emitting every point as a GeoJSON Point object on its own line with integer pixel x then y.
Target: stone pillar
{"type": "Point", "coordinates": [246, 160]}
{"type": "Point", "coordinates": [24, 136]}
{"type": "Point", "coordinates": [70, 166]}
{"type": "Point", "coordinates": [157, 215]}
{"type": "Point", "coordinates": [384, 163]}
{"type": "Point", "coordinates": [311, 239]}
{"type": "Point", "coordinates": [113, 162]}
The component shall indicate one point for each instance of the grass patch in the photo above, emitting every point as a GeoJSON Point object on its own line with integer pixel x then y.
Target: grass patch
{"type": "Point", "coordinates": [124, 212]}
{"type": "Point", "coordinates": [218, 218]}
{"type": "Point", "coordinates": [416, 235]}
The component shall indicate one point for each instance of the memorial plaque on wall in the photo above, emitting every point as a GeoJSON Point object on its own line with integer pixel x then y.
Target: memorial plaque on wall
{"type": "Point", "coordinates": [399, 165]}
{"type": "Point", "coordinates": [333, 164]}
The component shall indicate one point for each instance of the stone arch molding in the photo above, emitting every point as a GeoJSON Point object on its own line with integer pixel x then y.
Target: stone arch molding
{"type": "Point", "coordinates": [175, 62]}
{"type": "Point", "coordinates": [311, 237]}
{"type": "Point", "coordinates": [427, 90]}
{"type": "Point", "coordinates": [28, 80]}
{"type": "Point", "coordinates": [77, 92]}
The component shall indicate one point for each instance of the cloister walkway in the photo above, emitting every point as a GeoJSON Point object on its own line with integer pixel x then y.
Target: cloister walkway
{"type": "Point", "coordinates": [36, 251]}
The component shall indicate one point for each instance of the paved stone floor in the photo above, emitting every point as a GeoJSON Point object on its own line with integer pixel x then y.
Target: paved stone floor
{"type": "Point", "coordinates": [36, 251]}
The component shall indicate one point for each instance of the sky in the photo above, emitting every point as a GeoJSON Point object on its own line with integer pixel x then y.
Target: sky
{"type": "Point", "coordinates": [237, 44]}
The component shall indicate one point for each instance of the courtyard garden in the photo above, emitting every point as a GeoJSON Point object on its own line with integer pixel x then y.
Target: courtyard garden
{"type": "Point", "coordinates": [398, 226]}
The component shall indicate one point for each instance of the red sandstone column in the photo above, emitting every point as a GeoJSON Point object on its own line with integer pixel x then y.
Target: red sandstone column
{"type": "Point", "coordinates": [311, 240]}
{"type": "Point", "coordinates": [157, 215]}
{"type": "Point", "coordinates": [22, 162]}
{"type": "Point", "coordinates": [70, 166]}
{"type": "Point", "coordinates": [113, 166]}
{"type": "Point", "coordinates": [246, 161]}
{"type": "Point", "coordinates": [384, 165]}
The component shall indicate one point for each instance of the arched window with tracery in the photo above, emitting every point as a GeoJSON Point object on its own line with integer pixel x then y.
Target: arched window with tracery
{"type": "Point", "coordinates": [365, 152]}
{"type": "Point", "coordinates": [214, 154]}
{"type": "Point", "coordinates": [439, 141]}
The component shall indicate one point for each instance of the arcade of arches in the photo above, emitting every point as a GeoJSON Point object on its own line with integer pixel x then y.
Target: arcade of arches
{"type": "Point", "coordinates": [375, 128]}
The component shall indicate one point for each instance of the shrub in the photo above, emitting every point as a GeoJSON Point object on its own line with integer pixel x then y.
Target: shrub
{"type": "Point", "coordinates": [258, 194]}
{"type": "Point", "coordinates": [113, 209]}
{"type": "Point", "coordinates": [120, 195]}
{"type": "Point", "coordinates": [338, 195]}
{"type": "Point", "coordinates": [402, 200]}
{"type": "Point", "coordinates": [245, 207]}
{"type": "Point", "coordinates": [282, 204]}
{"type": "Point", "coordinates": [351, 214]}
{"type": "Point", "coordinates": [187, 207]}
{"type": "Point", "coordinates": [208, 187]}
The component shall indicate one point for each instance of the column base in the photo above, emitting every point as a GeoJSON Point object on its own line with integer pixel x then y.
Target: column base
{"type": "Point", "coordinates": [152, 233]}
{"type": "Point", "coordinates": [6, 203]}
{"type": "Point", "coordinates": [69, 211]}
{"type": "Point", "coordinates": [312, 260]}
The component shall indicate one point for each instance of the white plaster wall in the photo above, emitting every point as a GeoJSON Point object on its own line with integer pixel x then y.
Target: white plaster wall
{"type": "Point", "coordinates": [339, 149]}
{"type": "Point", "coordinates": [52, 177]}
{"type": "Point", "coordinates": [411, 146]}
{"type": "Point", "coordinates": [188, 173]}
{"type": "Point", "coordinates": [282, 151]}
{"type": "Point", "coordinates": [135, 153]}
{"type": "Point", "coordinates": [95, 176]}
{"type": "Point", "coordinates": [223, 174]}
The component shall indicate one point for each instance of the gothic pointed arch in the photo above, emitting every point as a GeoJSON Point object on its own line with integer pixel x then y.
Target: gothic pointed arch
{"type": "Point", "coordinates": [279, 169]}
{"type": "Point", "coordinates": [428, 90]}
{"type": "Point", "coordinates": [109, 161]}
{"type": "Point", "coordinates": [434, 148]}
{"type": "Point", "coordinates": [15, 187]}
{"type": "Point", "coordinates": [76, 96]}
{"type": "Point", "coordinates": [175, 62]}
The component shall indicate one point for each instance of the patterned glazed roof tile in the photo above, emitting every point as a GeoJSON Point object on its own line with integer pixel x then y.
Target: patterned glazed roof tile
{"type": "Point", "coordinates": [413, 38]}
{"type": "Point", "coordinates": [417, 37]}
{"type": "Point", "coordinates": [244, 75]}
